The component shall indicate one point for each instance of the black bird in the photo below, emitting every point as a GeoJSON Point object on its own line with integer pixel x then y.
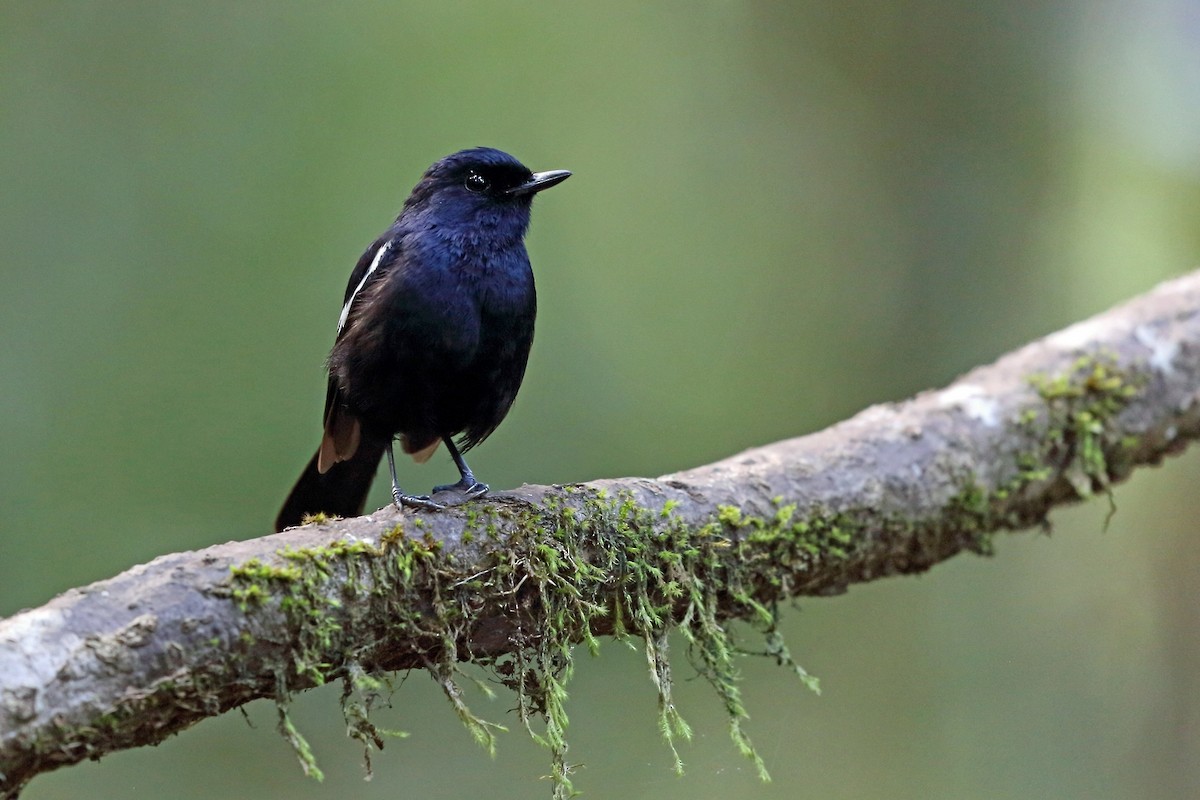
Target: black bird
{"type": "Point", "coordinates": [434, 335]}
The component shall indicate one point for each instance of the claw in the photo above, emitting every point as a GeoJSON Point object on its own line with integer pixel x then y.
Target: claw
{"type": "Point", "coordinates": [467, 485]}
{"type": "Point", "coordinates": [471, 489]}
{"type": "Point", "coordinates": [421, 501]}
{"type": "Point", "coordinates": [411, 500]}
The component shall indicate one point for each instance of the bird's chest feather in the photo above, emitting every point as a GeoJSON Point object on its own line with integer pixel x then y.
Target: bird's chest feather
{"type": "Point", "coordinates": [444, 311]}
{"type": "Point", "coordinates": [489, 283]}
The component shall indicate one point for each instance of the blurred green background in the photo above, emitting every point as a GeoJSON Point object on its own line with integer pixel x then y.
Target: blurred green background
{"type": "Point", "coordinates": [782, 213]}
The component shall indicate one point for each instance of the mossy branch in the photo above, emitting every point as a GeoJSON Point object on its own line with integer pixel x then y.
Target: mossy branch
{"type": "Point", "coordinates": [516, 581]}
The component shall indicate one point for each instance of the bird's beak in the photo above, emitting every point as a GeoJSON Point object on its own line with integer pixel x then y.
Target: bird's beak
{"type": "Point", "coordinates": [539, 181]}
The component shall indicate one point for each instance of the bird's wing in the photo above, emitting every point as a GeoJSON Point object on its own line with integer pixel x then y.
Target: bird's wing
{"type": "Point", "coordinates": [342, 430]}
{"type": "Point", "coordinates": [382, 252]}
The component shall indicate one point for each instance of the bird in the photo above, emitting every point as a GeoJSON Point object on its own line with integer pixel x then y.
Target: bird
{"type": "Point", "coordinates": [433, 337]}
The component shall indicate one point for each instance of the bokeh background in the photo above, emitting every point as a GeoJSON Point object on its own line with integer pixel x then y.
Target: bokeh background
{"type": "Point", "coordinates": [781, 213]}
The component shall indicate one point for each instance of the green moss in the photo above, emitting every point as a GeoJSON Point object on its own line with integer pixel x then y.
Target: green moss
{"type": "Point", "coordinates": [360, 691]}
{"type": "Point", "coordinates": [567, 564]}
{"type": "Point", "coordinates": [255, 571]}
{"type": "Point", "coordinates": [590, 564]}
{"type": "Point", "coordinates": [301, 586]}
{"type": "Point", "coordinates": [393, 536]}
{"type": "Point", "coordinates": [1081, 405]}
{"type": "Point", "coordinates": [299, 744]}
{"type": "Point", "coordinates": [1073, 435]}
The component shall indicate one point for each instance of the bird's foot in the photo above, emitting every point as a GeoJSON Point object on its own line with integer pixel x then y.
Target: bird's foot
{"type": "Point", "coordinates": [420, 501]}
{"type": "Point", "coordinates": [468, 487]}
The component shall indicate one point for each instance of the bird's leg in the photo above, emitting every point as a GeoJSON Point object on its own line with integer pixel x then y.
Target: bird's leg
{"type": "Point", "coordinates": [467, 483]}
{"type": "Point", "coordinates": [400, 498]}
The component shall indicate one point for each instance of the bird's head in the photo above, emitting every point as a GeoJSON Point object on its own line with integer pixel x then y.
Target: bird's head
{"type": "Point", "coordinates": [480, 188]}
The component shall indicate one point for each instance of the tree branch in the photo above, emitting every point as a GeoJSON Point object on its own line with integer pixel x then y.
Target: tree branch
{"type": "Point", "coordinates": [514, 581]}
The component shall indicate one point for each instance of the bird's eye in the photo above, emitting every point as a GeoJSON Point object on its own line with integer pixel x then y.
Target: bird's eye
{"type": "Point", "coordinates": [476, 183]}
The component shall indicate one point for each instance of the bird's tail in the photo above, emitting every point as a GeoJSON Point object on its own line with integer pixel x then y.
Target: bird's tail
{"type": "Point", "coordinates": [342, 491]}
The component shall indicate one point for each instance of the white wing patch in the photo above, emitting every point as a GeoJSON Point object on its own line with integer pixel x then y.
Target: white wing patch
{"type": "Point", "coordinates": [379, 254]}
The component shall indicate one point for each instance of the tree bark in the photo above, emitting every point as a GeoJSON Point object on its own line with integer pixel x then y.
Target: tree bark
{"type": "Point", "coordinates": [515, 580]}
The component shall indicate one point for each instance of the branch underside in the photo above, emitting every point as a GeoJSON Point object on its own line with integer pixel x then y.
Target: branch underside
{"type": "Point", "coordinates": [514, 581]}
